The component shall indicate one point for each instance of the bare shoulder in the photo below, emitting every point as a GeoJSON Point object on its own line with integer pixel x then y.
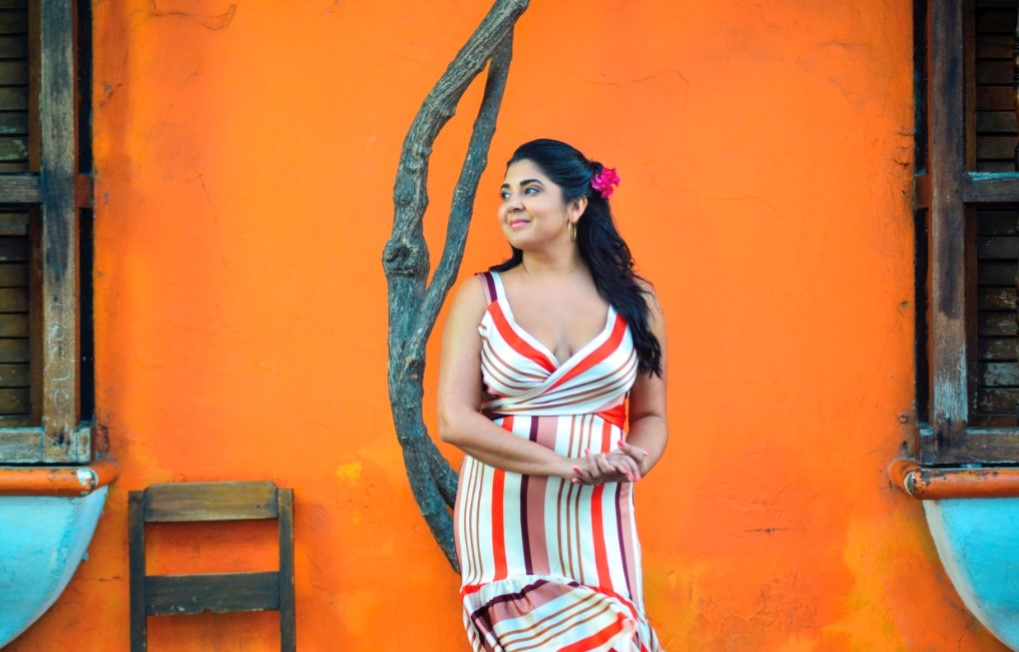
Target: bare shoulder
{"type": "Point", "coordinates": [645, 286]}
{"type": "Point", "coordinates": [512, 278]}
{"type": "Point", "coordinates": [651, 297]}
{"type": "Point", "coordinates": [469, 300]}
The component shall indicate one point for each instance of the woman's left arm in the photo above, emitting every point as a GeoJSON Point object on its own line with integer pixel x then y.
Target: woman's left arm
{"type": "Point", "coordinates": [649, 429]}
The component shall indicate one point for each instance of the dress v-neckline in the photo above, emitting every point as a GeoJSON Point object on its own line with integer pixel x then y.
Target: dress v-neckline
{"type": "Point", "coordinates": [507, 309]}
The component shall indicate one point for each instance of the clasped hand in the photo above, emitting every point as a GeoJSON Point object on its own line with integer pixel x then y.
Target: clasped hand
{"type": "Point", "coordinates": [623, 464]}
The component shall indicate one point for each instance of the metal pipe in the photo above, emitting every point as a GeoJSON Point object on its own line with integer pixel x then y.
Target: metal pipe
{"type": "Point", "coordinates": [57, 480]}
{"type": "Point", "coordinates": [927, 483]}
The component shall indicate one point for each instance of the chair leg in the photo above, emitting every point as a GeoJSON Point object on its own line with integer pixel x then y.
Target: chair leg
{"type": "Point", "coordinates": [288, 625]}
{"type": "Point", "coordinates": [136, 551]}
{"type": "Point", "coordinates": [288, 642]}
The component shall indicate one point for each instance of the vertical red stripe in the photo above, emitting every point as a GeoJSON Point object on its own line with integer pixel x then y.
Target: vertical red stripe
{"type": "Point", "coordinates": [623, 498]}
{"type": "Point", "coordinates": [601, 557]}
{"type": "Point", "coordinates": [498, 523]}
{"type": "Point", "coordinates": [498, 515]}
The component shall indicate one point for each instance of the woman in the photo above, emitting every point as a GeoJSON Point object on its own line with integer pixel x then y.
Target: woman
{"type": "Point", "coordinates": [538, 358]}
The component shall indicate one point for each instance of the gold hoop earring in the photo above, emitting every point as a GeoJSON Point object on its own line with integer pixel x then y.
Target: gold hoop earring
{"type": "Point", "coordinates": [573, 231]}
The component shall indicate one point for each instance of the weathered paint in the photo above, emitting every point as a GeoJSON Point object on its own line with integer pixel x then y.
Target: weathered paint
{"type": "Point", "coordinates": [978, 542]}
{"type": "Point", "coordinates": [245, 157]}
{"type": "Point", "coordinates": [42, 541]}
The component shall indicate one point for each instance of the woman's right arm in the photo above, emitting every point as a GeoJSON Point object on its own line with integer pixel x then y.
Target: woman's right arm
{"type": "Point", "coordinates": [459, 397]}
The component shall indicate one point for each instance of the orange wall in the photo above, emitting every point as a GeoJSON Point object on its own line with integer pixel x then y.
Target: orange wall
{"type": "Point", "coordinates": [245, 157]}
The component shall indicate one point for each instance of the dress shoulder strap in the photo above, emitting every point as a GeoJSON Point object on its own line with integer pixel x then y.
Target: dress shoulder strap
{"type": "Point", "coordinates": [488, 281]}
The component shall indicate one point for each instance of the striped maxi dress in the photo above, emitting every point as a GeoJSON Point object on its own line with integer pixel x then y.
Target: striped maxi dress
{"type": "Point", "coordinates": [547, 564]}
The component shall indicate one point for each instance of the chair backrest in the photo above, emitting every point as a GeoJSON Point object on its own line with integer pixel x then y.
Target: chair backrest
{"type": "Point", "coordinates": [159, 595]}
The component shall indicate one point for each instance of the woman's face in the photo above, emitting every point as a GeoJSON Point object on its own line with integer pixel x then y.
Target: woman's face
{"type": "Point", "coordinates": [532, 212]}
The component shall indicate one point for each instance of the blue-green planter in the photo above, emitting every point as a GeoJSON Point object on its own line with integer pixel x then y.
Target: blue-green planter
{"type": "Point", "coordinates": [973, 517]}
{"type": "Point", "coordinates": [46, 524]}
{"type": "Point", "coordinates": [978, 542]}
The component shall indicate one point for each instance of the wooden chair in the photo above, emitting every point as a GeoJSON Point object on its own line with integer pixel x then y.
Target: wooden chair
{"type": "Point", "coordinates": [159, 595]}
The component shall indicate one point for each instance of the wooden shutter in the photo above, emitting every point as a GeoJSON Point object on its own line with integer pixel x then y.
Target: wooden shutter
{"type": "Point", "coordinates": [994, 246]}
{"type": "Point", "coordinates": [15, 242]}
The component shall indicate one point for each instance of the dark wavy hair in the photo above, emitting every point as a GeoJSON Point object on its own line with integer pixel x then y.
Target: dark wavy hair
{"type": "Point", "coordinates": [601, 246]}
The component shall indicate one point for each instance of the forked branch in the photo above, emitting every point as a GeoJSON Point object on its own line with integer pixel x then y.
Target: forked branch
{"type": "Point", "coordinates": [414, 304]}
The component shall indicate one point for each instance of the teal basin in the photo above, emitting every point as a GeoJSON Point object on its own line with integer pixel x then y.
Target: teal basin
{"type": "Point", "coordinates": [42, 541]}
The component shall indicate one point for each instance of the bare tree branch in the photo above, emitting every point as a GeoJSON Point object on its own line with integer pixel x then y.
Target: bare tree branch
{"type": "Point", "coordinates": [413, 307]}
{"type": "Point", "coordinates": [466, 190]}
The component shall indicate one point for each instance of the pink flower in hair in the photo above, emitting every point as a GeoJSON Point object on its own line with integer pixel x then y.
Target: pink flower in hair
{"type": "Point", "coordinates": [604, 181]}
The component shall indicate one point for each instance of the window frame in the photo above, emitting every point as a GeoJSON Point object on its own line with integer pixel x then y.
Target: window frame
{"type": "Point", "coordinates": [58, 192]}
{"type": "Point", "coordinates": [947, 189]}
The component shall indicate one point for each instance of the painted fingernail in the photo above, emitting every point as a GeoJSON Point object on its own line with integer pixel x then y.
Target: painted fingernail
{"type": "Point", "coordinates": [574, 480]}
{"type": "Point", "coordinates": [576, 469]}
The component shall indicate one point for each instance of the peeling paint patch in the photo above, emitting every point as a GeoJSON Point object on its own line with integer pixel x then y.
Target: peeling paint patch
{"type": "Point", "coordinates": [87, 479]}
